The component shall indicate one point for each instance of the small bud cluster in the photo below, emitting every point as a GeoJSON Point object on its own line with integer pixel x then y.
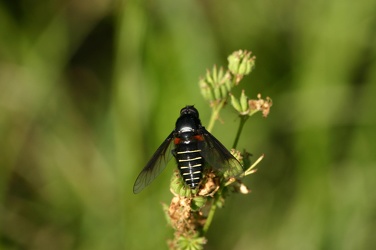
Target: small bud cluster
{"type": "Point", "coordinates": [217, 84]}
{"type": "Point", "coordinates": [249, 107]}
{"type": "Point", "coordinates": [241, 63]}
{"type": "Point", "coordinates": [185, 223]}
{"type": "Point", "coordinates": [186, 214]}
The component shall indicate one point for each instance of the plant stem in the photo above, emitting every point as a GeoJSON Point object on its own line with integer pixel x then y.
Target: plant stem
{"type": "Point", "coordinates": [243, 119]}
{"type": "Point", "coordinates": [214, 115]}
{"type": "Point", "coordinates": [210, 216]}
{"type": "Point", "coordinates": [213, 208]}
{"type": "Point", "coordinates": [213, 118]}
{"type": "Point", "coordinates": [217, 108]}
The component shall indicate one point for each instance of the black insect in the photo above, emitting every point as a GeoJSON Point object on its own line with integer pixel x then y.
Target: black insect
{"type": "Point", "coordinates": [192, 146]}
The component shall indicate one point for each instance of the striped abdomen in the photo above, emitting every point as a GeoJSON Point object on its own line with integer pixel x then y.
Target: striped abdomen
{"type": "Point", "coordinates": [190, 162]}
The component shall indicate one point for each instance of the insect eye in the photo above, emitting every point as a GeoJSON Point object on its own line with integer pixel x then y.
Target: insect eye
{"type": "Point", "coordinates": [190, 110]}
{"type": "Point", "coordinates": [183, 111]}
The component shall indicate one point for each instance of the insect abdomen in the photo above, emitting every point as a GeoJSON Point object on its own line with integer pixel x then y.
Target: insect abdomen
{"type": "Point", "coordinates": [190, 163]}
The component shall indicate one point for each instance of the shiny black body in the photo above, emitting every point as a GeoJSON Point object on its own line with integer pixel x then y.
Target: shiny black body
{"type": "Point", "coordinates": [193, 148]}
{"type": "Point", "coordinates": [187, 152]}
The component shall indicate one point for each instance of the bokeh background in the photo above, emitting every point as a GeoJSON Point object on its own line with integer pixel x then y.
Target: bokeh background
{"type": "Point", "coordinates": [89, 89]}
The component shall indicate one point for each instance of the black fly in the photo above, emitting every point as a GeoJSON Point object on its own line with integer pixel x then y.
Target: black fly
{"type": "Point", "coordinates": [192, 146]}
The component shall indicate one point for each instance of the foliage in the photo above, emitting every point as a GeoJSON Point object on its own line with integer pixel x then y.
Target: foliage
{"type": "Point", "coordinates": [88, 90]}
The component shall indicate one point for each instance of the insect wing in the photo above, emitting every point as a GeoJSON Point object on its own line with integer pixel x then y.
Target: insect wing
{"type": "Point", "coordinates": [155, 166]}
{"type": "Point", "coordinates": [218, 157]}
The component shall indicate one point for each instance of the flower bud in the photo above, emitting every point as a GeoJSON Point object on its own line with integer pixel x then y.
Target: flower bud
{"type": "Point", "coordinates": [244, 103]}
{"type": "Point", "coordinates": [241, 62]}
{"type": "Point", "coordinates": [206, 90]}
{"type": "Point", "coordinates": [235, 103]}
{"type": "Point", "coordinates": [216, 84]}
{"type": "Point", "coordinates": [228, 82]}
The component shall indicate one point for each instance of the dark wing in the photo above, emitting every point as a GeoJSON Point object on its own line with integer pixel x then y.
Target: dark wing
{"type": "Point", "coordinates": [155, 166]}
{"type": "Point", "coordinates": [218, 157]}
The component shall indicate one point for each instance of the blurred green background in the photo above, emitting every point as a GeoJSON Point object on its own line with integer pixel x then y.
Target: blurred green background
{"type": "Point", "coordinates": [89, 89]}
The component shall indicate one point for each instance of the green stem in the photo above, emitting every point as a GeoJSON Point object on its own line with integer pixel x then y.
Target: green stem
{"type": "Point", "coordinates": [217, 108]}
{"type": "Point", "coordinates": [213, 208]}
{"type": "Point", "coordinates": [243, 119]}
{"type": "Point", "coordinates": [213, 118]}
{"type": "Point", "coordinates": [210, 216]}
{"type": "Point", "coordinates": [214, 115]}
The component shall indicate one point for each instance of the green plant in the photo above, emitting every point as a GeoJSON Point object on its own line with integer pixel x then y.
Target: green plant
{"type": "Point", "coordinates": [191, 211]}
